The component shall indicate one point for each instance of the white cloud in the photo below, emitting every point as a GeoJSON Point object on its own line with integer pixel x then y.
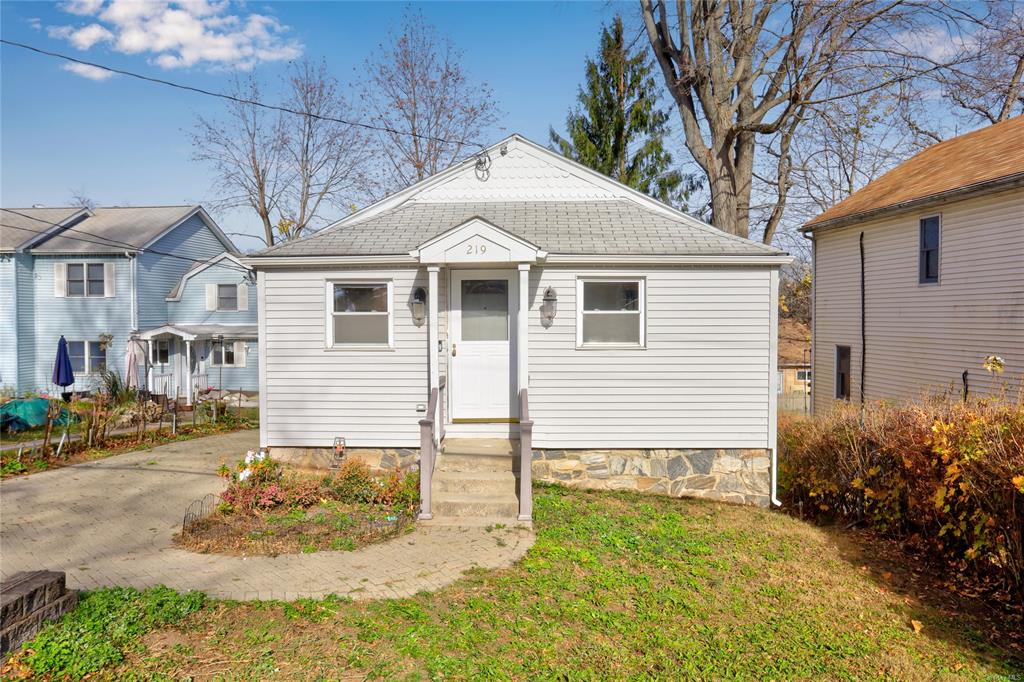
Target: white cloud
{"type": "Point", "coordinates": [86, 71]}
{"type": "Point", "coordinates": [84, 38]}
{"type": "Point", "coordinates": [180, 33]}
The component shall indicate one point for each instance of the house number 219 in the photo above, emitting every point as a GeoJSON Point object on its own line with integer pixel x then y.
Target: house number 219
{"type": "Point", "coordinates": [476, 249]}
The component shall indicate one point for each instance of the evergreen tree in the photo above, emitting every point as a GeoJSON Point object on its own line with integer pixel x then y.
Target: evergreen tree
{"type": "Point", "coordinates": [618, 128]}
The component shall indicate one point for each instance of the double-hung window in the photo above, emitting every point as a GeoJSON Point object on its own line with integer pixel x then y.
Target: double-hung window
{"type": "Point", "coordinates": [227, 297]}
{"type": "Point", "coordinates": [359, 315]}
{"type": "Point", "coordinates": [223, 354]}
{"type": "Point", "coordinates": [610, 312]}
{"type": "Point", "coordinates": [842, 373]}
{"type": "Point", "coordinates": [85, 279]}
{"type": "Point", "coordinates": [928, 262]}
{"type": "Point", "coordinates": [87, 357]}
{"type": "Point", "coordinates": [161, 352]}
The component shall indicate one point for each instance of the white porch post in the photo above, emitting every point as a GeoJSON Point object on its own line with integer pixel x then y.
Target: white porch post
{"type": "Point", "coordinates": [149, 365]}
{"type": "Point", "coordinates": [188, 372]}
{"type": "Point", "coordinates": [522, 331]}
{"type": "Point", "coordinates": [432, 341]}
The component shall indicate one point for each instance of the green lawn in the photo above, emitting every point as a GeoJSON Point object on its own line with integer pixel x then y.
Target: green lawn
{"type": "Point", "coordinates": [617, 586]}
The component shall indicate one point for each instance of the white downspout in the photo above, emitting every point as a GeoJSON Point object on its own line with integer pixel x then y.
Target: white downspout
{"type": "Point", "coordinates": [773, 386]}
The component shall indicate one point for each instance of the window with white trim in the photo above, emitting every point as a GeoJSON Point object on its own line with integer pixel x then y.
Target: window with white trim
{"type": "Point", "coordinates": [227, 297]}
{"type": "Point", "coordinates": [803, 375]}
{"type": "Point", "coordinates": [161, 352]}
{"type": "Point", "coordinates": [85, 280]}
{"type": "Point", "coordinates": [610, 312]}
{"type": "Point", "coordinates": [87, 357]}
{"type": "Point", "coordinates": [360, 314]}
{"type": "Point", "coordinates": [222, 353]}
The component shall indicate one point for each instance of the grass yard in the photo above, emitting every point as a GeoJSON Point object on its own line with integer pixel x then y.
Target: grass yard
{"type": "Point", "coordinates": [617, 586]}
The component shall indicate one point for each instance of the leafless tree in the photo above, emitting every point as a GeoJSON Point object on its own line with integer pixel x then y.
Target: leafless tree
{"type": "Point", "coordinates": [287, 167]}
{"type": "Point", "coordinates": [79, 197]}
{"type": "Point", "coordinates": [750, 72]}
{"type": "Point", "coordinates": [418, 91]}
{"type": "Point", "coordinates": [989, 84]}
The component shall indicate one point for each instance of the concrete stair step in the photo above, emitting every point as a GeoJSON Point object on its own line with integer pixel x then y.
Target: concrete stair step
{"type": "Point", "coordinates": [479, 446]}
{"type": "Point", "coordinates": [449, 504]}
{"type": "Point", "coordinates": [486, 483]}
{"type": "Point", "coordinates": [476, 521]}
{"type": "Point", "coordinates": [474, 463]}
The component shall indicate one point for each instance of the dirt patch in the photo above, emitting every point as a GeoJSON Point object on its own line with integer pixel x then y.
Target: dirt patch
{"type": "Point", "coordinates": [330, 526]}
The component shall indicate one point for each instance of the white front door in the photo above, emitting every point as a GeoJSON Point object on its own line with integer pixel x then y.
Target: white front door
{"type": "Point", "coordinates": [482, 345]}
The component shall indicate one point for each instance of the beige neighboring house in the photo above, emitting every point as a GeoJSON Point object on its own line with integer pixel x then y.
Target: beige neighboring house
{"type": "Point", "coordinates": [794, 366]}
{"type": "Point", "coordinates": [919, 276]}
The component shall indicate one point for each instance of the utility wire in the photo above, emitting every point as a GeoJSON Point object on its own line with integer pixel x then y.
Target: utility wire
{"type": "Point", "coordinates": [107, 242]}
{"type": "Point", "coordinates": [233, 98]}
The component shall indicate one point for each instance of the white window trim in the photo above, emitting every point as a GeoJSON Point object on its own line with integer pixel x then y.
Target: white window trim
{"type": "Point", "coordinates": [226, 341]}
{"type": "Point", "coordinates": [938, 276]}
{"type": "Point", "coordinates": [156, 353]}
{"type": "Point", "coordinates": [642, 304]}
{"type": "Point", "coordinates": [226, 310]}
{"type": "Point", "coordinates": [329, 315]}
{"type": "Point", "coordinates": [88, 356]}
{"type": "Point", "coordinates": [85, 281]}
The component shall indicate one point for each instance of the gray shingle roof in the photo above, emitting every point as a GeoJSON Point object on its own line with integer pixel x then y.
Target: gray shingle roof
{"type": "Point", "coordinates": [612, 227]}
{"type": "Point", "coordinates": [105, 230]}
{"type": "Point", "coordinates": [18, 226]}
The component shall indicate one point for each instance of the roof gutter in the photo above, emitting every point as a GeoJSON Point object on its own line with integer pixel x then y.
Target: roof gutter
{"type": "Point", "coordinates": [264, 262]}
{"type": "Point", "coordinates": [966, 192]}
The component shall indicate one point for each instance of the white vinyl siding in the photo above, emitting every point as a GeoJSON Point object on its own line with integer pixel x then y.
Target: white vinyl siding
{"type": "Point", "coordinates": [702, 381]}
{"type": "Point", "coordinates": [313, 393]}
{"type": "Point", "coordinates": [921, 338]}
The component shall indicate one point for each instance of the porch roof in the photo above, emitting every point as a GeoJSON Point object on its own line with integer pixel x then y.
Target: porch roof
{"type": "Point", "coordinates": [604, 227]}
{"type": "Point", "coordinates": [195, 332]}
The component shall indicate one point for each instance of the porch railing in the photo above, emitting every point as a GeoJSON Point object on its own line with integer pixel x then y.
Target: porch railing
{"type": "Point", "coordinates": [163, 384]}
{"type": "Point", "coordinates": [431, 435]}
{"type": "Point", "coordinates": [525, 458]}
{"type": "Point", "coordinates": [200, 383]}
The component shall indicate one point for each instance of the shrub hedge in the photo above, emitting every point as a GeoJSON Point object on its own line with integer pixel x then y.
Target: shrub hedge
{"type": "Point", "coordinates": [947, 475]}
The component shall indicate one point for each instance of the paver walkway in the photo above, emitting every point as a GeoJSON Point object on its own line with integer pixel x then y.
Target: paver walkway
{"type": "Point", "coordinates": [110, 522]}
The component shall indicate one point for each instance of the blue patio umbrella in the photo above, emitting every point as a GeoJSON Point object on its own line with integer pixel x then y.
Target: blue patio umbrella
{"type": "Point", "coordinates": [63, 375]}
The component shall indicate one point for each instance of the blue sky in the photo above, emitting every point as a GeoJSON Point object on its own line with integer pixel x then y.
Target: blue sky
{"type": "Point", "coordinates": [123, 141]}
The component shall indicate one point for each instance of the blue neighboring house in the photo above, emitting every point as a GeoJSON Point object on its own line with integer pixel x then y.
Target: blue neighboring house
{"type": "Point", "coordinates": [162, 282]}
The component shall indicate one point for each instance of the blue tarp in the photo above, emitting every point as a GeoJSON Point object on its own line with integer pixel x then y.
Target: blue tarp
{"type": "Point", "coordinates": [21, 415]}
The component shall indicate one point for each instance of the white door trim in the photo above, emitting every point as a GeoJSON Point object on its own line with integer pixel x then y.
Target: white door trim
{"type": "Point", "coordinates": [455, 278]}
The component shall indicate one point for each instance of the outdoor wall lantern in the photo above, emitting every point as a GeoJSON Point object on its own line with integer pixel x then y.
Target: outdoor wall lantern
{"type": "Point", "coordinates": [549, 308]}
{"type": "Point", "coordinates": [419, 305]}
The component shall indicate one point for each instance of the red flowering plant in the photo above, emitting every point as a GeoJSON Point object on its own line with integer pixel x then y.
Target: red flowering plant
{"type": "Point", "coordinates": [255, 483]}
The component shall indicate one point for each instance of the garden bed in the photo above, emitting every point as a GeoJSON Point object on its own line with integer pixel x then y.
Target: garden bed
{"type": "Point", "coordinates": [268, 510]}
{"type": "Point", "coordinates": [328, 526]}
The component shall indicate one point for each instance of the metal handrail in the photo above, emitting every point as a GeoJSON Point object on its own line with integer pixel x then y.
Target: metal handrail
{"type": "Point", "coordinates": [431, 435]}
{"type": "Point", "coordinates": [525, 458]}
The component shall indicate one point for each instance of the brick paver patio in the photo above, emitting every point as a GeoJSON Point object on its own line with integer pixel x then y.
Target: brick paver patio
{"type": "Point", "coordinates": [110, 523]}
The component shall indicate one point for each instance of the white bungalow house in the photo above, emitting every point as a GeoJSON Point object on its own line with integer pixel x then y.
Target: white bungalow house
{"type": "Point", "coordinates": [521, 298]}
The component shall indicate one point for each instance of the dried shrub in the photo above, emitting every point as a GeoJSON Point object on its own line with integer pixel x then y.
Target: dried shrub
{"type": "Point", "coordinates": [948, 475]}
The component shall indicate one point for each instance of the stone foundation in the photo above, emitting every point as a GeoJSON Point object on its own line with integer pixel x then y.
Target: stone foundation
{"type": "Point", "coordinates": [27, 601]}
{"type": "Point", "coordinates": [739, 476]}
{"type": "Point", "coordinates": [380, 460]}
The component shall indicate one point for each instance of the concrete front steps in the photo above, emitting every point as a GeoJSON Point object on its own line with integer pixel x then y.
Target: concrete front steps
{"type": "Point", "coordinates": [475, 482]}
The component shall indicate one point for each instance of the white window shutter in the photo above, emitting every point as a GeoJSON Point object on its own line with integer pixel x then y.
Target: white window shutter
{"type": "Point", "coordinates": [109, 281]}
{"type": "Point", "coordinates": [239, 353]}
{"type": "Point", "coordinates": [60, 280]}
{"type": "Point", "coordinates": [211, 297]}
{"type": "Point", "coordinates": [243, 297]}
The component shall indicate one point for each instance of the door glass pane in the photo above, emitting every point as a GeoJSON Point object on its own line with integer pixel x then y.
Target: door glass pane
{"type": "Point", "coordinates": [484, 310]}
{"type": "Point", "coordinates": [611, 328]}
{"type": "Point", "coordinates": [367, 298]}
{"type": "Point", "coordinates": [361, 329]}
{"type": "Point", "coordinates": [611, 296]}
